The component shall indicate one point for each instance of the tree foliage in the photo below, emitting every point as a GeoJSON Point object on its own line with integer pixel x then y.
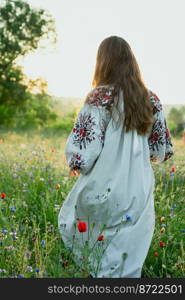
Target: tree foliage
{"type": "Point", "coordinates": [22, 29]}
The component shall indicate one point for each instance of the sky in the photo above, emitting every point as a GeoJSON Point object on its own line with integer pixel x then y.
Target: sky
{"type": "Point", "coordinates": [154, 30]}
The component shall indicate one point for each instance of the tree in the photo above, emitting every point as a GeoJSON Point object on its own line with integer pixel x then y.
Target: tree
{"type": "Point", "coordinates": [22, 29]}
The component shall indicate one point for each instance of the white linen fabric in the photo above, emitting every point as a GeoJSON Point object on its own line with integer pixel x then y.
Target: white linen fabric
{"type": "Point", "coordinates": [113, 194]}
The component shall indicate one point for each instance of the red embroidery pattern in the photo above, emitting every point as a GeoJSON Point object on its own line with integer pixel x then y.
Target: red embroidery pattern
{"type": "Point", "coordinates": [155, 101]}
{"type": "Point", "coordinates": [101, 96]}
{"type": "Point", "coordinates": [160, 135]}
{"type": "Point", "coordinates": [83, 131]}
{"type": "Point", "coordinates": [76, 161]}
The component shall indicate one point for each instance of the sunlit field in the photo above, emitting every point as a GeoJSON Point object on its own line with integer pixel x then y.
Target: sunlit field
{"type": "Point", "coordinates": [35, 180]}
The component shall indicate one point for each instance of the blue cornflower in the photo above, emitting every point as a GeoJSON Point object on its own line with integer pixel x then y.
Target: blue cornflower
{"type": "Point", "coordinates": [14, 236]}
{"type": "Point", "coordinates": [37, 270]}
{"type": "Point", "coordinates": [183, 230]}
{"type": "Point", "coordinates": [13, 209]}
{"type": "Point", "coordinates": [43, 243]}
{"type": "Point", "coordinates": [128, 218]}
{"type": "Point", "coordinates": [20, 276]}
{"type": "Point", "coordinates": [5, 231]}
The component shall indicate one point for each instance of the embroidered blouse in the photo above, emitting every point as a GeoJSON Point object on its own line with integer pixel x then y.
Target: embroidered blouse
{"type": "Point", "coordinates": [86, 140]}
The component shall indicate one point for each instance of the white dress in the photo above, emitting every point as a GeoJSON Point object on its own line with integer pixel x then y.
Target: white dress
{"type": "Point", "coordinates": [113, 194]}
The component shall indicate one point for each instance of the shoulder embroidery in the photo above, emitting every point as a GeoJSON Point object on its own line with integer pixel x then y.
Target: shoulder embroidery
{"type": "Point", "coordinates": [101, 96]}
{"type": "Point", "coordinates": [155, 101]}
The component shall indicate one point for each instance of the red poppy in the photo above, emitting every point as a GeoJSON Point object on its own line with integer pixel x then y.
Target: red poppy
{"type": "Point", "coordinates": [101, 237]}
{"type": "Point", "coordinates": [73, 173]}
{"type": "Point", "coordinates": [173, 169]}
{"type": "Point", "coordinates": [161, 244]}
{"type": "Point", "coordinates": [82, 226]}
{"type": "Point", "coordinates": [156, 254]}
{"type": "Point", "coordinates": [53, 150]}
{"type": "Point", "coordinates": [3, 195]}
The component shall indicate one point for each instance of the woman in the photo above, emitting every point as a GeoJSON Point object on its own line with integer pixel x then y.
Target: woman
{"type": "Point", "coordinates": [108, 217]}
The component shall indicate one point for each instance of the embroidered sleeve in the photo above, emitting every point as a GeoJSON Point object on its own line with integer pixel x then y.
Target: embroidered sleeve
{"type": "Point", "coordinates": [160, 144]}
{"type": "Point", "coordinates": [86, 140]}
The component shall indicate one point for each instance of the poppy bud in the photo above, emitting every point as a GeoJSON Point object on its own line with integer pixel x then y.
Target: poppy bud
{"type": "Point", "coordinates": [101, 237]}
{"type": "Point", "coordinates": [82, 226]}
{"type": "Point", "coordinates": [161, 244]}
{"type": "Point", "coordinates": [3, 195]}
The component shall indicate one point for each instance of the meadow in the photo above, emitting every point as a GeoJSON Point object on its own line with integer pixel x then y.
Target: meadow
{"type": "Point", "coordinates": [35, 180]}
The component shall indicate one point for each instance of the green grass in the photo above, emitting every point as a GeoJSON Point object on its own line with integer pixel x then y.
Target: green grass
{"type": "Point", "coordinates": [31, 167]}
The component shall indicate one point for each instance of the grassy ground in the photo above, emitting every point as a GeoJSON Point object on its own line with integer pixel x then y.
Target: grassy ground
{"type": "Point", "coordinates": [34, 180]}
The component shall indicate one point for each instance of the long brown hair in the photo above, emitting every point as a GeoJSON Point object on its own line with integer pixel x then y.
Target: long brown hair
{"type": "Point", "coordinates": [116, 65]}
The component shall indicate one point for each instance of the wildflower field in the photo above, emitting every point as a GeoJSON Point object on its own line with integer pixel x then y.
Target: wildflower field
{"type": "Point", "coordinates": [35, 179]}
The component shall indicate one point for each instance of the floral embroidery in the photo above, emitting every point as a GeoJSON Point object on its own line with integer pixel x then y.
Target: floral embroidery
{"type": "Point", "coordinates": [76, 161]}
{"type": "Point", "coordinates": [155, 101]}
{"type": "Point", "coordinates": [102, 134]}
{"type": "Point", "coordinates": [83, 131]}
{"type": "Point", "coordinates": [101, 96]}
{"type": "Point", "coordinates": [160, 135]}
{"type": "Point", "coordinates": [89, 127]}
{"type": "Point", "coordinates": [168, 155]}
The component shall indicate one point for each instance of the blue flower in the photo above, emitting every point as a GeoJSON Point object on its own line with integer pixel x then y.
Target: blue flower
{"type": "Point", "coordinates": [5, 231]}
{"type": "Point", "coordinates": [13, 209]}
{"type": "Point", "coordinates": [43, 243]}
{"type": "Point", "coordinates": [1, 243]}
{"type": "Point", "coordinates": [128, 218]}
{"type": "Point", "coordinates": [14, 236]}
{"type": "Point", "coordinates": [20, 276]}
{"type": "Point", "coordinates": [183, 230]}
{"type": "Point", "coordinates": [37, 270]}
{"type": "Point", "coordinates": [172, 173]}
